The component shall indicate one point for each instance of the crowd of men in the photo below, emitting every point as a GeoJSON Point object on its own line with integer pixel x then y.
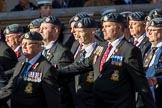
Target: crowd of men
{"type": "Point", "coordinates": [115, 65]}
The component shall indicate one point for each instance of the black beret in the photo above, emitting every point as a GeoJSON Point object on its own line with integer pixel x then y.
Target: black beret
{"type": "Point", "coordinates": [13, 28]}
{"type": "Point", "coordinates": [137, 16]}
{"type": "Point", "coordinates": [113, 17]}
{"type": "Point", "coordinates": [86, 23]}
{"type": "Point", "coordinates": [35, 23]}
{"type": "Point", "coordinates": [78, 16]}
{"type": "Point", "coordinates": [156, 22]}
{"type": "Point", "coordinates": [51, 19]}
{"type": "Point", "coordinates": [32, 36]}
{"type": "Point", "coordinates": [155, 13]}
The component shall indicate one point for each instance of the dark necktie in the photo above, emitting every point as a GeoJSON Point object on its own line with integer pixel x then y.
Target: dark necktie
{"type": "Point", "coordinates": [23, 71]}
{"type": "Point", "coordinates": [82, 55]}
{"type": "Point", "coordinates": [148, 57]}
{"type": "Point", "coordinates": [104, 57]}
{"type": "Point", "coordinates": [135, 43]}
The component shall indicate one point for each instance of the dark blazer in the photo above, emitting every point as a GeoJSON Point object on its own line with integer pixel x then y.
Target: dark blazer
{"type": "Point", "coordinates": [84, 96]}
{"type": "Point", "coordinates": [115, 85]}
{"type": "Point", "coordinates": [74, 47]}
{"type": "Point", "coordinates": [43, 94]}
{"type": "Point", "coordinates": [7, 61]}
{"type": "Point", "coordinates": [60, 56]}
{"type": "Point", "coordinates": [144, 45]}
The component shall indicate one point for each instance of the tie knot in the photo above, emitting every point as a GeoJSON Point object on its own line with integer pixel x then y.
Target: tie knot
{"type": "Point", "coordinates": [80, 46]}
{"type": "Point", "coordinates": [110, 46]}
{"type": "Point", "coordinates": [135, 42]}
{"type": "Point", "coordinates": [83, 52]}
{"type": "Point", "coordinates": [154, 49]}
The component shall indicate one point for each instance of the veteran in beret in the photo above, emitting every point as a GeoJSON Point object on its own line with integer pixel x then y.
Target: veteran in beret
{"type": "Point", "coordinates": [8, 61]}
{"type": "Point", "coordinates": [34, 82]}
{"type": "Point", "coordinates": [137, 25]}
{"type": "Point", "coordinates": [153, 59]}
{"type": "Point", "coordinates": [57, 54]}
{"type": "Point", "coordinates": [13, 35]}
{"type": "Point", "coordinates": [85, 29]}
{"type": "Point", "coordinates": [118, 68]}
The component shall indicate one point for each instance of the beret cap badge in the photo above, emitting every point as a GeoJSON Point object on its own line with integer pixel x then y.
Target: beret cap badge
{"type": "Point", "coordinates": [105, 18]}
{"type": "Point", "coordinates": [26, 35]}
{"type": "Point", "coordinates": [7, 31]}
{"type": "Point", "coordinates": [155, 13]}
{"type": "Point", "coordinates": [47, 19]}
{"type": "Point", "coordinates": [80, 25]}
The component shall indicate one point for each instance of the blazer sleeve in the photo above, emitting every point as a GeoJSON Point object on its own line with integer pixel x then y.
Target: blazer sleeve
{"type": "Point", "coordinates": [66, 59]}
{"type": "Point", "coordinates": [136, 72]}
{"type": "Point", "coordinates": [51, 88]}
{"type": "Point", "coordinates": [77, 68]}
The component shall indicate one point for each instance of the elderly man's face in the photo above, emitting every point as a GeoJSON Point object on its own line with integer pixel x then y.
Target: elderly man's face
{"type": "Point", "coordinates": [30, 48]}
{"type": "Point", "coordinates": [13, 40]}
{"type": "Point", "coordinates": [137, 28]}
{"type": "Point", "coordinates": [154, 34]}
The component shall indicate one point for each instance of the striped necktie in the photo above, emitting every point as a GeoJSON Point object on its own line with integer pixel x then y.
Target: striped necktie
{"type": "Point", "coordinates": [148, 57]}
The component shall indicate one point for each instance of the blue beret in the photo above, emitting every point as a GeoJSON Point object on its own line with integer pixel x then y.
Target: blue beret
{"type": "Point", "coordinates": [156, 22]}
{"type": "Point", "coordinates": [113, 17]}
{"type": "Point", "coordinates": [35, 23]}
{"type": "Point", "coordinates": [51, 19]}
{"type": "Point", "coordinates": [32, 36]}
{"type": "Point", "coordinates": [155, 13]}
{"type": "Point", "coordinates": [13, 28]}
{"type": "Point", "coordinates": [137, 16]}
{"type": "Point", "coordinates": [78, 16]}
{"type": "Point", "coordinates": [86, 23]}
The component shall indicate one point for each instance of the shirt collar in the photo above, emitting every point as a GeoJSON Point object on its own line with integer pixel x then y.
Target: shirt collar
{"type": "Point", "coordinates": [140, 38]}
{"type": "Point", "coordinates": [117, 41]}
{"type": "Point", "coordinates": [17, 48]}
{"type": "Point", "coordinates": [34, 59]}
{"type": "Point", "coordinates": [50, 44]}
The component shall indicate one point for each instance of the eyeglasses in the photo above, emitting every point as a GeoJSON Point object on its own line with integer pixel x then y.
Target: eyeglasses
{"type": "Point", "coordinates": [152, 30]}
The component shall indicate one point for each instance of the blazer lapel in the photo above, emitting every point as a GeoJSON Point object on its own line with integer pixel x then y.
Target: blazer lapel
{"type": "Point", "coordinates": [51, 52]}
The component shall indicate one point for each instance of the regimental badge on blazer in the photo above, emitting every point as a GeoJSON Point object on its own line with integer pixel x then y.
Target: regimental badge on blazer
{"type": "Point", "coordinates": [97, 53]}
{"type": "Point", "coordinates": [48, 54]}
{"type": "Point", "coordinates": [29, 88]}
{"type": "Point", "coordinates": [90, 77]}
{"type": "Point", "coordinates": [115, 75]}
{"type": "Point", "coordinates": [158, 67]}
{"type": "Point", "coordinates": [117, 60]}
